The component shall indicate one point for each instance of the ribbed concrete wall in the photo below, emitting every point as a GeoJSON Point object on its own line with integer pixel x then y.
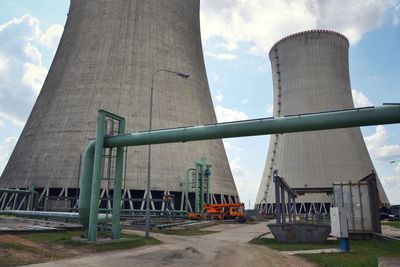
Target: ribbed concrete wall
{"type": "Point", "coordinates": [107, 54]}
{"type": "Point", "coordinates": [311, 74]}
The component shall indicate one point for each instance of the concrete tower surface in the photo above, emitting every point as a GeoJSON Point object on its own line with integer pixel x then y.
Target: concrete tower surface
{"type": "Point", "coordinates": [105, 60]}
{"type": "Point", "coordinates": [311, 74]}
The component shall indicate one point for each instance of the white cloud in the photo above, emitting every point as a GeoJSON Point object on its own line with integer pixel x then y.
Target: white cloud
{"type": "Point", "coordinates": [396, 13]}
{"type": "Point", "coordinates": [2, 124]}
{"type": "Point", "coordinates": [222, 56]}
{"type": "Point", "coordinates": [51, 36]}
{"type": "Point", "coordinates": [216, 77]}
{"type": "Point", "coordinates": [246, 185]}
{"type": "Point", "coordinates": [378, 147]}
{"type": "Point", "coordinates": [227, 114]}
{"type": "Point", "coordinates": [33, 54]}
{"type": "Point", "coordinates": [231, 46]}
{"type": "Point", "coordinates": [6, 147]}
{"type": "Point", "coordinates": [14, 120]}
{"type": "Point", "coordinates": [21, 40]}
{"type": "Point", "coordinates": [245, 101]}
{"type": "Point", "coordinates": [269, 110]}
{"type": "Point", "coordinates": [3, 63]}
{"type": "Point", "coordinates": [229, 146]}
{"type": "Point", "coordinates": [397, 169]}
{"type": "Point", "coordinates": [219, 96]}
{"type": "Point", "coordinates": [261, 23]}
{"type": "Point", "coordinates": [360, 100]}
{"type": "Point", "coordinates": [392, 187]}
{"type": "Point", "coordinates": [34, 76]}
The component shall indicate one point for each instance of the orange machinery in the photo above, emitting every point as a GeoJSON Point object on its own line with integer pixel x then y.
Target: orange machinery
{"type": "Point", "coordinates": [221, 211]}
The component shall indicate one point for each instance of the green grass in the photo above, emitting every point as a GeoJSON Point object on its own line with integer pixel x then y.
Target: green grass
{"type": "Point", "coordinates": [51, 237]}
{"type": "Point", "coordinates": [395, 224]}
{"type": "Point", "coordinates": [272, 243]}
{"type": "Point", "coordinates": [364, 253]}
{"type": "Point", "coordinates": [46, 242]}
{"type": "Point", "coordinates": [18, 247]}
{"type": "Point", "coordinates": [186, 232]}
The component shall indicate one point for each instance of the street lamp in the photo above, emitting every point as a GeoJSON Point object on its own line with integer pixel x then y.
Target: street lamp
{"type": "Point", "coordinates": [184, 76]}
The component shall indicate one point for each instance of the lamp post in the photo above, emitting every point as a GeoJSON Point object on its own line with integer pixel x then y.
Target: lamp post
{"type": "Point", "coordinates": [184, 76]}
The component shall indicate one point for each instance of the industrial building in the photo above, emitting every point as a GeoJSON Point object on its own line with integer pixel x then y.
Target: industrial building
{"type": "Point", "coordinates": [109, 56]}
{"type": "Point", "coordinates": [311, 74]}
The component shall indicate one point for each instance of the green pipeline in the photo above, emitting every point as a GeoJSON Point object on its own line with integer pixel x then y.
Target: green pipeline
{"type": "Point", "coordinates": [386, 114]}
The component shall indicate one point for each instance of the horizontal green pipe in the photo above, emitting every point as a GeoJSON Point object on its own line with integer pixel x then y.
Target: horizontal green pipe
{"type": "Point", "coordinates": [386, 114]}
{"type": "Point", "coordinates": [52, 214]}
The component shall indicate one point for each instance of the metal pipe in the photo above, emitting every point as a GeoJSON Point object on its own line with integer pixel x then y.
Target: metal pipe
{"type": "Point", "coordinates": [102, 218]}
{"type": "Point", "coordinates": [116, 221]}
{"type": "Point", "coordinates": [187, 188]}
{"type": "Point", "coordinates": [85, 191]}
{"type": "Point", "coordinates": [202, 171]}
{"type": "Point", "coordinates": [96, 180]}
{"type": "Point", "coordinates": [208, 182]}
{"type": "Point", "coordinates": [386, 114]}
{"type": "Point", "coordinates": [277, 201]}
{"type": "Point", "coordinates": [196, 191]}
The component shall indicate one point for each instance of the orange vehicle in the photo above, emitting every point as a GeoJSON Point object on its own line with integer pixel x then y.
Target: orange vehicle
{"type": "Point", "coordinates": [221, 211]}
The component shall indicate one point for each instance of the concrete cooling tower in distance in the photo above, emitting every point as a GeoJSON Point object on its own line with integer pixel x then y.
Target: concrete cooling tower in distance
{"type": "Point", "coordinates": [105, 60]}
{"type": "Point", "coordinates": [311, 74]}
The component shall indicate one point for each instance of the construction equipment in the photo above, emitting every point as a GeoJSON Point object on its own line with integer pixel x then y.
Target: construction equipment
{"type": "Point", "coordinates": [221, 212]}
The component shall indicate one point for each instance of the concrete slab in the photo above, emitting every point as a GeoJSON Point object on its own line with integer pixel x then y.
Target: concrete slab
{"type": "Point", "coordinates": [312, 251]}
{"type": "Point", "coordinates": [388, 261]}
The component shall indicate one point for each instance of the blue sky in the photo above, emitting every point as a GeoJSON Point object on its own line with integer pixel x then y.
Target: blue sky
{"type": "Point", "coordinates": [237, 36]}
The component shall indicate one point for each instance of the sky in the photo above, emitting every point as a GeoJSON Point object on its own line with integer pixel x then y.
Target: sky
{"type": "Point", "coordinates": [237, 36]}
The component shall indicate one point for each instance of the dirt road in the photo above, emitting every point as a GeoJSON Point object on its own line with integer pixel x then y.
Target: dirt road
{"type": "Point", "coordinates": [229, 247]}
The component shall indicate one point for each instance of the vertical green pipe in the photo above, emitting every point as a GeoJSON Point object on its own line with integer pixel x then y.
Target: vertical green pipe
{"type": "Point", "coordinates": [116, 218]}
{"type": "Point", "coordinates": [208, 184]}
{"type": "Point", "coordinates": [196, 193]}
{"type": "Point", "coordinates": [202, 185]}
{"type": "Point", "coordinates": [188, 171]}
{"type": "Point", "coordinates": [96, 180]}
{"type": "Point", "coordinates": [85, 187]}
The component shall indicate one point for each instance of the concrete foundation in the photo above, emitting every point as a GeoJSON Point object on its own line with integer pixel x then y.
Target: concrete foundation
{"type": "Point", "coordinates": [300, 232]}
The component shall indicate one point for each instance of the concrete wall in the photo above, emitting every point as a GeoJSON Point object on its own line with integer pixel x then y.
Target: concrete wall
{"type": "Point", "coordinates": [311, 74]}
{"type": "Point", "coordinates": [107, 54]}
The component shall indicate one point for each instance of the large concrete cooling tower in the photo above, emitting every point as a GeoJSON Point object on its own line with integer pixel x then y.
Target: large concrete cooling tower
{"type": "Point", "coordinates": [105, 60]}
{"type": "Point", "coordinates": [311, 74]}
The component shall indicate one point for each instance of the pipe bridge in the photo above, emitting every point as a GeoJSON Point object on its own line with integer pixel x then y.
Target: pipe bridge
{"type": "Point", "coordinates": [92, 158]}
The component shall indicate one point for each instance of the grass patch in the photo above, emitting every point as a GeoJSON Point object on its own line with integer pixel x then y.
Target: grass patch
{"type": "Point", "coordinates": [395, 224]}
{"type": "Point", "coordinates": [364, 253]}
{"type": "Point", "coordinates": [58, 245]}
{"type": "Point", "coordinates": [272, 243]}
{"type": "Point", "coordinates": [186, 232]}
{"type": "Point", "coordinates": [44, 237]}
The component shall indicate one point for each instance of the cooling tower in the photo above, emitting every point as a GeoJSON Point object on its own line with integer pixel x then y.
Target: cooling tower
{"type": "Point", "coordinates": [311, 74]}
{"type": "Point", "coordinates": [105, 60]}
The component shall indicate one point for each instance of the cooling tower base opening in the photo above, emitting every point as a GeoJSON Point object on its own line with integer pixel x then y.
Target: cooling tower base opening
{"type": "Point", "coordinates": [66, 199]}
{"type": "Point", "coordinates": [301, 208]}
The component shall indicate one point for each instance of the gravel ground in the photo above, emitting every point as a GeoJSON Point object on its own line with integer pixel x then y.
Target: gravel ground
{"type": "Point", "coordinates": [229, 247]}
